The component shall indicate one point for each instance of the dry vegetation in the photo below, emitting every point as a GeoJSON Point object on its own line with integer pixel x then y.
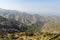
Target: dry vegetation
{"type": "Point", "coordinates": [31, 36]}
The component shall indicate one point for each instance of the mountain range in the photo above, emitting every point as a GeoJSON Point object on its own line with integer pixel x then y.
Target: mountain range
{"type": "Point", "coordinates": [12, 21]}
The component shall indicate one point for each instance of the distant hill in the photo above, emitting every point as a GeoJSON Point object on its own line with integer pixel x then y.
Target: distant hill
{"type": "Point", "coordinates": [32, 21]}
{"type": "Point", "coordinates": [22, 21]}
{"type": "Point", "coordinates": [51, 27]}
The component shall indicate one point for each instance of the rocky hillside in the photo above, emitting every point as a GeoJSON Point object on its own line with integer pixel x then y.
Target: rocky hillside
{"type": "Point", "coordinates": [22, 21]}
{"type": "Point", "coordinates": [51, 27]}
{"type": "Point", "coordinates": [31, 21]}
{"type": "Point", "coordinates": [7, 25]}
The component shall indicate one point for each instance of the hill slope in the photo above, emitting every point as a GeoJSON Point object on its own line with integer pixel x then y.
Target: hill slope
{"type": "Point", "coordinates": [51, 27]}
{"type": "Point", "coordinates": [23, 21]}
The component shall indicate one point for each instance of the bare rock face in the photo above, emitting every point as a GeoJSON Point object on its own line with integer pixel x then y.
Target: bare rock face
{"type": "Point", "coordinates": [51, 27]}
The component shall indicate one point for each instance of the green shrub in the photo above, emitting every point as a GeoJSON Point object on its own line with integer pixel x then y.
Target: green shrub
{"type": "Point", "coordinates": [28, 33]}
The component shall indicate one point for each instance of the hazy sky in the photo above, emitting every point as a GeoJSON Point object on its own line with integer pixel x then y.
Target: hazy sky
{"type": "Point", "coordinates": [40, 6]}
